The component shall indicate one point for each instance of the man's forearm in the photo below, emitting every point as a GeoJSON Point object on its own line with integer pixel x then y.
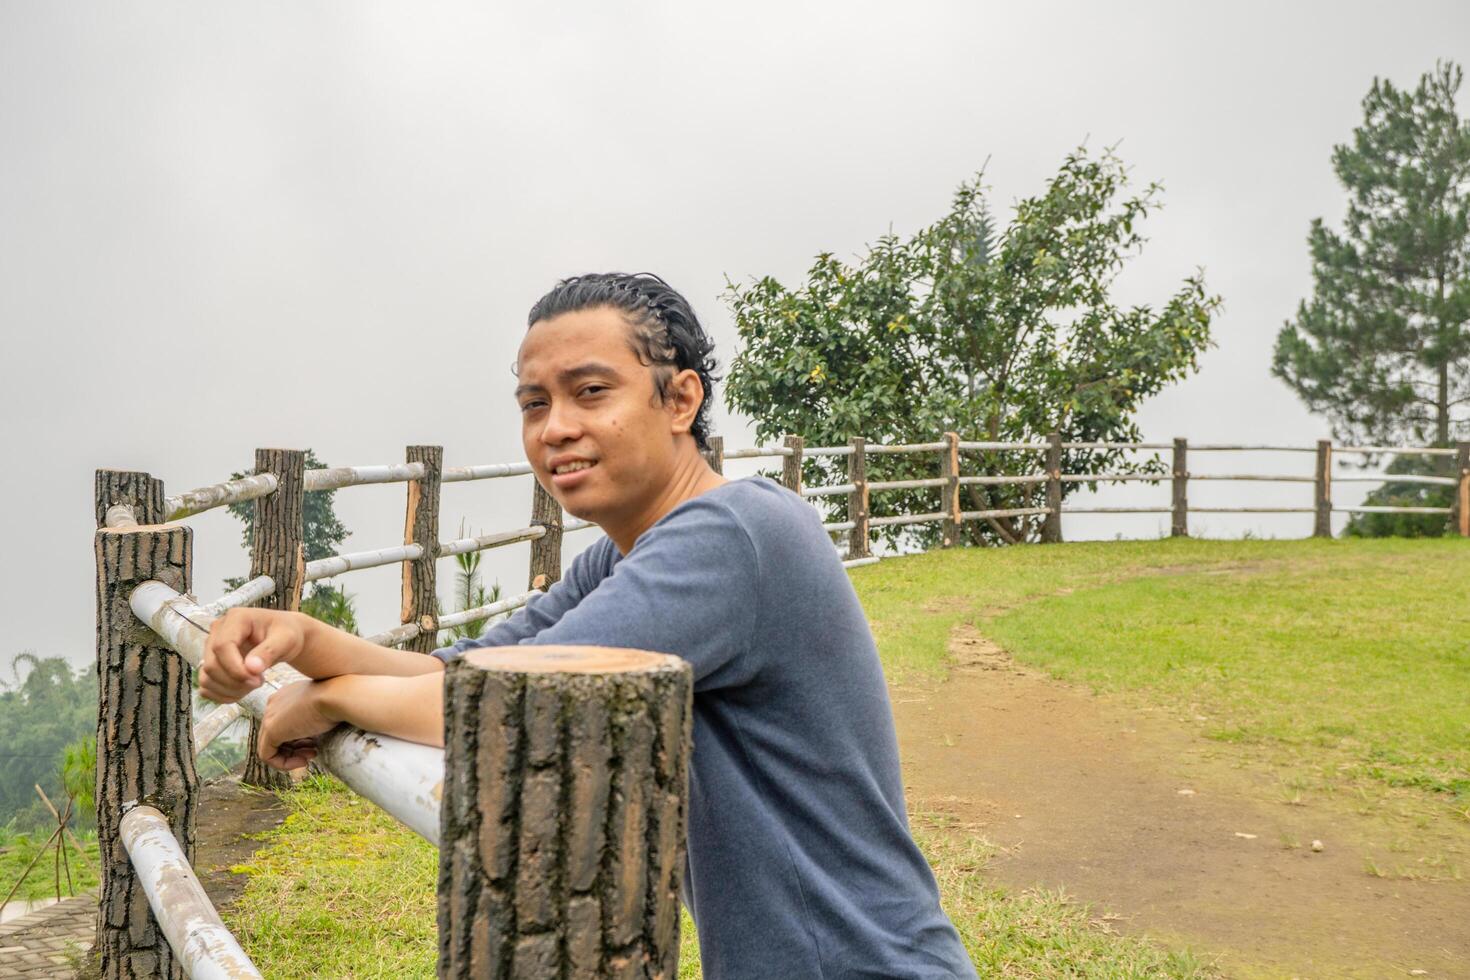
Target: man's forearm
{"type": "Point", "coordinates": [404, 707]}
{"type": "Point", "coordinates": [330, 652]}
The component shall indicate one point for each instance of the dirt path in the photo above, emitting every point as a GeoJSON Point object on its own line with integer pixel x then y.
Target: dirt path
{"type": "Point", "coordinates": [1083, 793]}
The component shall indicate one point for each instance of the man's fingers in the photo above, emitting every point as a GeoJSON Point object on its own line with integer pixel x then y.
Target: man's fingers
{"type": "Point", "coordinates": [263, 655]}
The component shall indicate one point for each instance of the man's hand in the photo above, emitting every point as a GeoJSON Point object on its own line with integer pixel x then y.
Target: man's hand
{"type": "Point", "coordinates": [242, 644]}
{"type": "Point", "coordinates": [294, 717]}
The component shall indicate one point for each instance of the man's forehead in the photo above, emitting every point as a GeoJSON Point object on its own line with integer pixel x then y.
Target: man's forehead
{"type": "Point", "coordinates": [553, 348]}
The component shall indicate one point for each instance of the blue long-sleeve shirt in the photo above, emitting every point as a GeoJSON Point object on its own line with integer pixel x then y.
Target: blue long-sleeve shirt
{"type": "Point", "coordinates": [800, 861]}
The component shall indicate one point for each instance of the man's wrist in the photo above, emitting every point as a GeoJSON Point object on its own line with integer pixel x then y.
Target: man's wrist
{"type": "Point", "coordinates": [328, 698]}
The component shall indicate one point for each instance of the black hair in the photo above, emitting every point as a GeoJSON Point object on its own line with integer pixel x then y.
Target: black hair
{"type": "Point", "coordinates": [665, 332]}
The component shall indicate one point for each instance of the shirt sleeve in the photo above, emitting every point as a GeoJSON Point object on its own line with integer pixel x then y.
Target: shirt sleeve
{"type": "Point", "coordinates": [540, 611]}
{"type": "Point", "coordinates": [689, 588]}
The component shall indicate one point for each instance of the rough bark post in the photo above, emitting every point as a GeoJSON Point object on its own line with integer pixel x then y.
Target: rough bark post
{"type": "Point", "coordinates": [949, 468]}
{"type": "Point", "coordinates": [1461, 519]}
{"type": "Point", "coordinates": [421, 526]}
{"type": "Point", "coordinates": [277, 549]}
{"type": "Point", "coordinates": [1322, 525]}
{"type": "Point", "coordinates": [1051, 527]}
{"type": "Point", "coordinates": [857, 501]}
{"type": "Point", "coordinates": [145, 746]}
{"type": "Point", "coordinates": [791, 465]}
{"type": "Point", "coordinates": [565, 799]}
{"type": "Point", "coordinates": [138, 491]}
{"type": "Point", "coordinates": [1181, 489]}
{"type": "Point", "coordinates": [715, 454]}
{"type": "Point", "coordinates": [545, 550]}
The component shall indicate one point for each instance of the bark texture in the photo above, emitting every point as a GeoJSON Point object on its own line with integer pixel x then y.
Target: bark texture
{"type": "Point", "coordinates": [1322, 524]}
{"type": "Point", "coordinates": [1181, 489]}
{"type": "Point", "coordinates": [138, 491]}
{"type": "Point", "coordinates": [949, 468]}
{"type": "Point", "coordinates": [857, 501]}
{"type": "Point", "coordinates": [545, 550]}
{"type": "Point", "coordinates": [1051, 525]}
{"type": "Point", "coordinates": [715, 454]}
{"type": "Point", "coordinates": [421, 527]}
{"type": "Point", "coordinates": [277, 550]}
{"type": "Point", "coordinates": [562, 829]}
{"type": "Point", "coordinates": [145, 748]}
{"type": "Point", "coordinates": [791, 465]}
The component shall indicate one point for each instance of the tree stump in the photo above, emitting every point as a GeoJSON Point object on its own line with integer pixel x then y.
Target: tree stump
{"type": "Point", "coordinates": [562, 829]}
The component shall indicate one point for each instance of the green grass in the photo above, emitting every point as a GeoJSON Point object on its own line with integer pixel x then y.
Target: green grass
{"type": "Point", "coordinates": [342, 890]}
{"type": "Point", "coordinates": [1335, 665]}
{"type": "Point", "coordinates": [16, 852]}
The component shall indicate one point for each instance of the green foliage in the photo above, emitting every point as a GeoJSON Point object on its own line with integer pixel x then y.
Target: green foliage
{"type": "Point", "coordinates": [332, 605]}
{"type": "Point", "coordinates": [322, 536]}
{"type": "Point", "coordinates": [44, 709]}
{"type": "Point", "coordinates": [1405, 495]}
{"type": "Point", "coordinates": [999, 335]}
{"type": "Point", "coordinates": [79, 772]}
{"type": "Point", "coordinates": [470, 593]}
{"type": "Point", "coordinates": [1383, 345]}
{"type": "Point", "coordinates": [47, 877]}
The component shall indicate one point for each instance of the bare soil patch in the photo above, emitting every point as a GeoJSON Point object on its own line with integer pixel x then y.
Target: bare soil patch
{"type": "Point", "coordinates": [229, 817]}
{"type": "Point", "coordinates": [1128, 809]}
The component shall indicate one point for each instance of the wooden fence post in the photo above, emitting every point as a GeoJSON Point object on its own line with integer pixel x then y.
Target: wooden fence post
{"type": "Point", "coordinates": [1322, 526]}
{"type": "Point", "coordinates": [1461, 519]}
{"type": "Point", "coordinates": [421, 526]}
{"type": "Point", "coordinates": [278, 550]}
{"type": "Point", "coordinates": [857, 500]}
{"type": "Point", "coordinates": [1051, 527]}
{"type": "Point", "coordinates": [565, 799]}
{"type": "Point", "coordinates": [1181, 489]}
{"type": "Point", "coordinates": [949, 468]}
{"type": "Point", "coordinates": [791, 465]}
{"type": "Point", "coordinates": [715, 454]}
{"type": "Point", "coordinates": [545, 550]}
{"type": "Point", "coordinates": [145, 745]}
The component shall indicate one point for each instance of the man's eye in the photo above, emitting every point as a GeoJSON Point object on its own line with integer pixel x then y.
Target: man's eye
{"type": "Point", "coordinates": [531, 406]}
{"type": "Point", "coordinates": [593, 390]}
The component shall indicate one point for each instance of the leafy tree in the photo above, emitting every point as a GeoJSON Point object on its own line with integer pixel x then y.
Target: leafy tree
{"type": "Point", "coordinates": [997, 334]}
{"type": "Point", "coordinates": [42, 711]}
{"type": "Point", "coordinates": [322, 536]}
{"type": "Point", "coordinates": [1382, 347]}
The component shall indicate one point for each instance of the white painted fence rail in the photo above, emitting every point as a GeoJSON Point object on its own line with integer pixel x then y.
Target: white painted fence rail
{"type": "Point", "coordinates": [337, 564]}
{"type": "Point", "coordinates": [336, 477]}
{"type": "Point", "coordinates": [465, 545]}
{"type": "Point", "coordinates": [402, 777]}
{"type": "Point", "coordinates": [451, 620]}
{"type": "Point", "coordinates": [229, 492]}
{"type": "Point", "coordinates": [205, 948]}
{"type": "Point", "coordinates": [487, 471]}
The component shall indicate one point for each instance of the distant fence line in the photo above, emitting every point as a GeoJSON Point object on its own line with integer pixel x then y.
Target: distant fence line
{"type": "Point", "coordinates": [151, 633]}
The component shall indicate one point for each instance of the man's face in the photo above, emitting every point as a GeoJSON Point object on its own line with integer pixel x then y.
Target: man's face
{"type": "Point", "coordinates": [595, 432]}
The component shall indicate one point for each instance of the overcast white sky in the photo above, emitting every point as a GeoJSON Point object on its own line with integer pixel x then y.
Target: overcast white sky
{"type": "Point", "coordinates": [294, 224]}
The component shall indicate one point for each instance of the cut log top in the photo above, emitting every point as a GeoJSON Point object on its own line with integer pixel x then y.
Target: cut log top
{"type": "Point", "coordinates": [572, 660]}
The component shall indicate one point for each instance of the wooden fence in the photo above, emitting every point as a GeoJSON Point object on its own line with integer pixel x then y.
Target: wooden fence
{"type": "Point", "coordinates": [493, 798]}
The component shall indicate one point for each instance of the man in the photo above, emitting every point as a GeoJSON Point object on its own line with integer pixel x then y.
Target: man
{"type": "Point", "coordinates": [800, 862]}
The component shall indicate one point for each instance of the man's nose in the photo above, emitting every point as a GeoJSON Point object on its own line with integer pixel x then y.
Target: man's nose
{"type": "Point", "coordinates": [561, 424]}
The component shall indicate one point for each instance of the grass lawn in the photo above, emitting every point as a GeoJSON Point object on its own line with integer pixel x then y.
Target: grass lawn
{"type": "Point", "coordinates": [16, 853]}
{"type": "Point", "coordinates": [1342, 664]}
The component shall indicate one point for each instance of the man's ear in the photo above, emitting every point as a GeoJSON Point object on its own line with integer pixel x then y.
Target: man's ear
{"type": "Point", "coordinates": [685, 395]}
